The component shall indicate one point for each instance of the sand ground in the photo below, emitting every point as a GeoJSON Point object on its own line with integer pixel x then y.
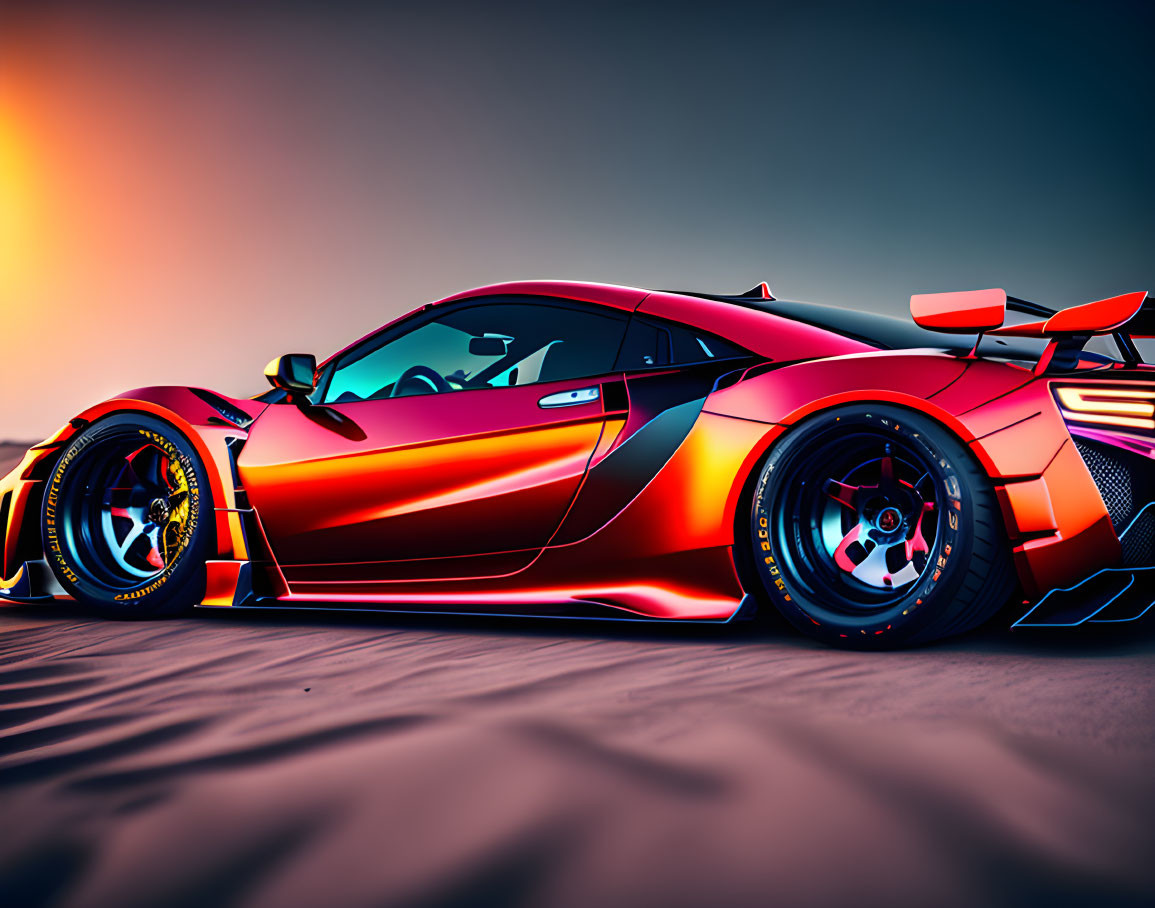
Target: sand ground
{"type": "Point", "coordinates": [289, 759]}
{"type": "Point", "coordinates": [284, 759]}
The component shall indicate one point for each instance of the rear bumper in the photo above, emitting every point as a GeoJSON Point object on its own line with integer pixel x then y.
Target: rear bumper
{"type": "Point", "coordinates": [1122, 467]}
{"type": "Point", "coordinates": [1059, 529]}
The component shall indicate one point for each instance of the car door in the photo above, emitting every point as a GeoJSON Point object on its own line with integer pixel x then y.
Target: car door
{"type": "Point", "coordinates": [668, 369]}
{"type": "Point", "coordinates": [449, 446]}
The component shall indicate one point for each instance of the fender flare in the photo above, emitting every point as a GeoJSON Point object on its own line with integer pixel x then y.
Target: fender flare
{"type": "Point", "coordinates": [213, 452]}
{"type": "Point", "coordinates": [778, 430]}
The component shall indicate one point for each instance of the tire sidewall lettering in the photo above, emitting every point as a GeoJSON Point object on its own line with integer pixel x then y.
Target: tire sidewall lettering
{"type": "Point", "coordinates": [946, 550]}
{"type": "Point", "coordinates": [59, 551]}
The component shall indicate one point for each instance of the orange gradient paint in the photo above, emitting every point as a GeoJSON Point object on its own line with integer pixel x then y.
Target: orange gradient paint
{"type": "Point", "coordinates": [486, 500]}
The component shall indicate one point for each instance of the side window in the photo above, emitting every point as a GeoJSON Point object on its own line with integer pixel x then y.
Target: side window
{"type": "Point", "coordinates": [689, 345]}
{"type": "Point", "coordinates": [650, 344]}
{"type": "Point", "coordinates": [487, 345]}
{"type": "Point", "coordinates": [646, 346]}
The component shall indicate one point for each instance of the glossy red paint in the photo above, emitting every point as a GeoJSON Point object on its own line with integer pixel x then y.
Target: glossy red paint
{"type": "Point", "coordinates": [667, 554]}
{"type": "Point", "coordinates": [613, 295]}
{"type": "Point", "coordinates": [221, 582]}
{"type": "Point", "coordinates": [984, 381]}
{"type": "Point", "coordinates": [426, 477]}
{"type": "Point", "coordinates": [1100, 317]}
{"type": "Point", "coordinates": [962, 312]}
{"type": "Point", "coordinates": [470, 501]}
{"type": "Point", "coordinates": [792, 393]}
{"type": "Point", "coordinates": [1006, 415]}
{"type": "Point", "coordinates": [190, 414]}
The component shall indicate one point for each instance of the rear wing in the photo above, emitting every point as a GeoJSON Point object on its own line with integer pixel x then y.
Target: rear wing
{"type": "Point", "coordinates": [980, 312]}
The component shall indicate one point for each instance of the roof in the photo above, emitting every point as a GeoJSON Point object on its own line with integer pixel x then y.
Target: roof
{"type": "Point", "coordinates": [615, 295]}
{"type": "Point", "coordinates": [700, 310]}
{"type": "Point", "coordinates": [755, 319]}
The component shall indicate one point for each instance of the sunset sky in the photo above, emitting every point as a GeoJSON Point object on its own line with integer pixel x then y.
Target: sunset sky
{"type": "Point", "coordinates": [185, 194]}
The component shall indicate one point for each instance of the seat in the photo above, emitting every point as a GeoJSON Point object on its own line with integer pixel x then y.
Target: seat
{"type": "Point", "coordinates": [561, 361]}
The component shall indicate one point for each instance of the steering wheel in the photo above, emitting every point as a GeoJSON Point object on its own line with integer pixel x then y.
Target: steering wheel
{"type": "Point", "coordinates": [422, 379]}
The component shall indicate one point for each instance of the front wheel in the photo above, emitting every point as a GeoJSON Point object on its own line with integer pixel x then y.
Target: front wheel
{"type": "Point", "coordinates": [127, 519]}
{"type": "Point", "coordinates": [872, 526]}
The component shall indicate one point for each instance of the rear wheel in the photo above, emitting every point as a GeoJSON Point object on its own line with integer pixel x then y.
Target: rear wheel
{"type": "Point", "coordinates": [126, 519]}
{"type": "Point", "coordinates": [872, 526]}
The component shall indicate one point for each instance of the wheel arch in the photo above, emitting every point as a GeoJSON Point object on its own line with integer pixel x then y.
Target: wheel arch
{"type": "Point", "coordinates": [209, 442]}
{"type": "Point", "coordinates": [1055, 521]}
{"type": "Point", "coordinates": [915, 419]}
{"type": "Point", "coordinates": [778, 431]}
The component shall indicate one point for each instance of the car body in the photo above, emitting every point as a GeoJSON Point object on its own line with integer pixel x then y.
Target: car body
{"type": "Point", "coordinates": [604, 472]}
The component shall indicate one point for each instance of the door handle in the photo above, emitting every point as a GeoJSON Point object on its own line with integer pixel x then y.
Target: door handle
{"type": "Point", "coordinates": [570, 398]}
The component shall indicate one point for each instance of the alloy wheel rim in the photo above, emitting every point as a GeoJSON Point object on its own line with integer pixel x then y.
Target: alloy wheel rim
{"type": "Point", "coordinates": [856, 520]}
{"type": "Point", "coordinates": [143, 514]}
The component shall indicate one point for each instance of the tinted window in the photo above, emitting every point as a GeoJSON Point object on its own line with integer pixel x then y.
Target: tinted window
{"type": "Point", "coordinates": [491, 345]}
{"type": "Point", "coordinates": [650, 344]}
{"type": "Point", "coordinates": [645, 346]}
{"type": "Point", "coordinates": [689, 345]}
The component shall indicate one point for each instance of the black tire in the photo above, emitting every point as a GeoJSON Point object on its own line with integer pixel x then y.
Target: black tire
{"type": "Point", "coordinates": [933, 560]}
{"type": "Point", "coordinates": [127, 519]}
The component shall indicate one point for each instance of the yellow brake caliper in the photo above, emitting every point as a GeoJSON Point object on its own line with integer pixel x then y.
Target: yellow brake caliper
{"type": "Point", "coordinates": [178, 499]}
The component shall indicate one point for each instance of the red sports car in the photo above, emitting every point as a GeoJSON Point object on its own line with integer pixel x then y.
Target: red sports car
{"type": "Point", "coordinates": [591, 450]}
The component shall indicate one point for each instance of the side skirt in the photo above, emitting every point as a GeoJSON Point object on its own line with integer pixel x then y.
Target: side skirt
{"type": "Point", "coordinates": [572, 611]}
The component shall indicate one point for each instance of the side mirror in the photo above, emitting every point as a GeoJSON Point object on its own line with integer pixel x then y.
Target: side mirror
{"type": "Point", "coordinates": [293, 372]}
{"type": "Point", "coordinates": [490, 345]}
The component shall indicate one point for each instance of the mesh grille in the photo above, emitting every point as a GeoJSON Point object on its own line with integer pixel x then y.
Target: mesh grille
{"type": "Point", "coordinates": [1113, 477]}
{"type": "Point", "coordinates": [1139, 540]}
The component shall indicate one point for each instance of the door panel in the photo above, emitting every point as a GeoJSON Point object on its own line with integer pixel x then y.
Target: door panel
{"type": "Point", "coordinates": [663, 407]}
{"type": "Point", "coordinates": [384, 483]}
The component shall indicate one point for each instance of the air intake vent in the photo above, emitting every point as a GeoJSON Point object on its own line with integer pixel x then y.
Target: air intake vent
{"type": "Point", "coordinates": [233, 415]}
{"type": "Point", "coordinates": [1114, 478]}
{"type": "Point", "coordinates": [1127, 483]}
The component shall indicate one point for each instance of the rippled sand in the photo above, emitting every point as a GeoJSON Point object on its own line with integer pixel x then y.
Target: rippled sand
{"type": "Point", "coordinates": [300, 759]}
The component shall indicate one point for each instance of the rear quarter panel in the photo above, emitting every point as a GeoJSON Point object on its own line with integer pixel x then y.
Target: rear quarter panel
{"type": "Point", "coordinates": [1055, 519]}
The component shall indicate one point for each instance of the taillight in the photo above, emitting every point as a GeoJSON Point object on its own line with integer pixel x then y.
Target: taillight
{"type": "Point", "coordinates": [1129, 408]}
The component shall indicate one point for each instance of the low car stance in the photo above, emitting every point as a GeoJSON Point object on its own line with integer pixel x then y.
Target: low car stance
{"type": "Point", "coordinates": [555, 448]}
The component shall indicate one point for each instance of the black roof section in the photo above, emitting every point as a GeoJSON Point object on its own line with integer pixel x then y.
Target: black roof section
{"type": "Point", "coordinates": [884, 331]}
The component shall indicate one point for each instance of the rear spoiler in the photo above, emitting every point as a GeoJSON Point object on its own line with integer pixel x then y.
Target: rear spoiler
{"type": "Point", "coordinates": [1124, 317]}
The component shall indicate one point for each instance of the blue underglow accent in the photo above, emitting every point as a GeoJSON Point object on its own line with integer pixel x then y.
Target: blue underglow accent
{"type": "Point", "coordinates": [1067, 589]}
{"type": "Point", "coordinates": [1134, 520]}
{"type": "Point", "coordinates": [1091, 617]}
{"type": "Point", "coordinates": [1124, 620]}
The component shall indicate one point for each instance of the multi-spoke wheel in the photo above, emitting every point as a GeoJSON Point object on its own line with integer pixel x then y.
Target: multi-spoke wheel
{"type": "Point", "coordinates": [882, 519]}
{"type": "Point", "coordinates": [126, 521]}
{"type": "Point", "coordinates": [873, 526]}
